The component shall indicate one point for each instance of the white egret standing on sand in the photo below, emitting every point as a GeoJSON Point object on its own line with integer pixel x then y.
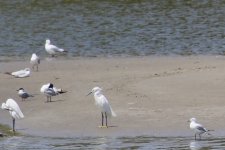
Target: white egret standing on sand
{"type": "Point", "coordinates": [103, 104]}
{"type": "Point", "coordinates": [49, 90]}
{"type": "Point", "coordinates": [13, 109]}
{"type": "Point", "coordinates": [198, 128]}
{"type": "Point", "coordinates": [35, 61]}
{"type": "Point", "coordinates": [23, 94]}
{"type": "Point", "coordinates": [52, 49]}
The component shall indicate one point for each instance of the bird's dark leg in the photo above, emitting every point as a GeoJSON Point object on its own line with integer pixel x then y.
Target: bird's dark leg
{"type": "Point", "coordinates": [37, 68]}
{"type": "Point", "coordinates": [14, 124]}
{"type": "Point", "coordinates": [50, 98]}
{"type": "Point", "coordinates": [195, 137]}
{"type": "Point", "coordinates": [102, 119]}
{"type": "Point", "coordinates": [106, 120]}
{"type": "Point", "coordinates": [200, 136]}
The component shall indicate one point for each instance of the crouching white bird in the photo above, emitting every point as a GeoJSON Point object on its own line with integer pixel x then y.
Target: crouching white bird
{"type": "Point", "coordinates": [198, 128]}
{"type": "Point", "coordinates": [35, 61]}
{"type": "Point", "coordinates": [52, 49]}
{"type": "Point", "coordinates": [103, 104]}
{"type": "Point", "coordinates": [23, 94]}
{"type": "Point", "coordinates": [49, 90]}
{"type": "Point", "coordinates": [21, 73]}
{"type": "Point", "coordinates": [13, 109]}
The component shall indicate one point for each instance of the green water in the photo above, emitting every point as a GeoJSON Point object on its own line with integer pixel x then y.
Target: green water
{"type": "Point", "coordinates": [112, 27]}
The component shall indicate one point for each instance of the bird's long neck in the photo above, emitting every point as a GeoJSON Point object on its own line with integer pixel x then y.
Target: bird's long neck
{"type": "Point", "coordinates": [97, 93]}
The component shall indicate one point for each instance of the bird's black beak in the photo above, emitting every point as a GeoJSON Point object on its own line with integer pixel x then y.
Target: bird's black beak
{"type": "Point", "coordinates": [88, 93]}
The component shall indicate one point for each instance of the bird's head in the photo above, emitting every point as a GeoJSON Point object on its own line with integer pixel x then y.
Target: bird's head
{"type": "Point", "coordinates": [192, 120]}
{"type": "Point", "coordinates": [27, 69]}
{"type": "Point", "coordinates": [20, 89]}
{"type": "Point", "coordinates": [95, 89]}
{"type": "Point", "coordinates": [34, 55]}
{"type": "Point", "coordinates": [47, 41]}
{"type": "Point", "coordinates": [50, 85]}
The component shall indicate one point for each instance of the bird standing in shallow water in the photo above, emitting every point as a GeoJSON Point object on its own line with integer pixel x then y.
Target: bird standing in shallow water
{"type": "Point", "coordinates": [23, 94]}
{"type": "Point", "coordinates": [52, 49]}
{"type": "Point", "coordinates": [103, 104]}
{"type": "Point", "coordinates": [13, 109]}
{"type": "Point", "coordinates": [198, 128]}
{"type": "Point", "coordinates": [35, 61]}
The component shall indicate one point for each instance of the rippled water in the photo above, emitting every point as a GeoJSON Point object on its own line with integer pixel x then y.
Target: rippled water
{"type": "Point", "coordinates": [102, 143]}
{"type": "Point", "coordinates": [113, 27]}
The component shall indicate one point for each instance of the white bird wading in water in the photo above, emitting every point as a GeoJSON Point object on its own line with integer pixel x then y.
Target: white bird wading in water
{"type": "Point", "coordinates": [198, 128]}
{"type": "Point", "coordinates": [103, 104]}
{"type": "Point", "coordinates": [13, 109]}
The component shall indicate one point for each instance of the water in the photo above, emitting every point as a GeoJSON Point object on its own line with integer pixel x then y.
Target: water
{"type": "Point", "coordinates": [113, 27]}
{"type": "Point", "coordinates": [102, 143]}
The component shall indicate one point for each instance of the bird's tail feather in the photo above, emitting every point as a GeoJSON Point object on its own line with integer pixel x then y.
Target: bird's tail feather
{"type": "Point", "coordinates": [9, 73]}
{"type": "Point", "coordinates": [61, 91]}
{"type": "Point", "coordinates": [209, 131]}
{"type": "Point", "coordinates": [62, 50]}
{"type": "Point", "coordinates": [113, 113]}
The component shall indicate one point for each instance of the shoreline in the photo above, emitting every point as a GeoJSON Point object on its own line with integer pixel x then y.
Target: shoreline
{"type": "Point", "coordinates": [153, 95]}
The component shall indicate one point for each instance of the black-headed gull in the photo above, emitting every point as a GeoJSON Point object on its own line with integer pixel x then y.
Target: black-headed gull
{"type": "Point", "coordinates": [49, 90]}
{"type": "Point", "coordinates": [13, 109]}
{"type": "Point", "coordinates": [52, 49]}
{"type": "Point", "coordinates": [35, 61]}
{"type": "Point", "coordinates": [103, 104]}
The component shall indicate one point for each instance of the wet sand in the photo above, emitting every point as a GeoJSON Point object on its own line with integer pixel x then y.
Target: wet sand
{"type": "Point", "coordinates": [152, 96]}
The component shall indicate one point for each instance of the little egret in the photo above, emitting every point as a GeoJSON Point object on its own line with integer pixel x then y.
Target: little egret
{"type": "Point", "coordinates": [52, 49]}
{"type": "Point", "coordinates": [198, 128]}
{"type": "Point", "coordinates": [103, 104]}
{"type": "Point", "coordinates": [23, 94]}
{"type": "Point", "coordinates": [35, 61]}
{"type": "Point", "coordinates": [13, 109]}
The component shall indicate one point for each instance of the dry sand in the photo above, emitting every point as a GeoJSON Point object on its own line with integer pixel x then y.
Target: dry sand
{"type": "Point", "coordinates": [152, 96]}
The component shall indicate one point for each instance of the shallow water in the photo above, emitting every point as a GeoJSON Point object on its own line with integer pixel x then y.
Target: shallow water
{"type": "Point", "coordinates": [140, 142]}
{"type": "Point", "coordinates": [112, 27]}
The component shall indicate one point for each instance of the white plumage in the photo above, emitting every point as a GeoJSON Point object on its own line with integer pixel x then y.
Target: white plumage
{"type": "Point", "coordinates": [21, 73]}
{"type": "Point", "coordinates": [197, 128]}
{"type": "Point", "coordinates": [49, 90]}
{"type": "Point", "coordinates": [103, 104]}
{"type": "Point", "coordinates": [23, 94]}
{"type": "Point", "coordinates": [52, 49]}
{"type": "Point", "coordinates": [13, 109]}
{"type": "Point", "coordinates": [35, 61]}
